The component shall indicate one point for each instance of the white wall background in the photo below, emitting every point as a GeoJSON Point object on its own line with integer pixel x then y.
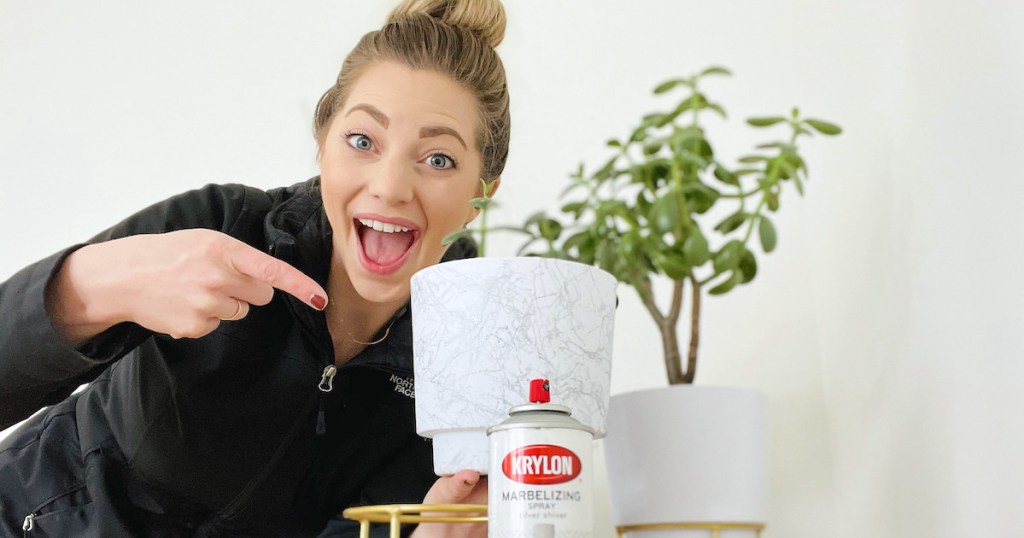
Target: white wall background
{"type": "Point", "coordinates": [886, 329]}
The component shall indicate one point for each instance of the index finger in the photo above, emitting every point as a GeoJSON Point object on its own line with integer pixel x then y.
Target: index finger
{"type": "Point", "coordinates": [266, 268]}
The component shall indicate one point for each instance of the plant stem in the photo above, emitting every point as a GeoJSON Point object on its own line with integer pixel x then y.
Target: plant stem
{"type": "Point", "coordinates": [677, 301]}
{"type": "Point", "coordinates": [508, 229]}
{"type": "Point", "coordinates": [691, 362]}
{"type": "Point", "coordinates": [483, 232]}
{"type": "Point", "coordinates": [670, 338]}
{"type": "Point", "coordinates": [673, 361]}
{"type": "Point", "coordinates": [773, 174]}
{"type": "Point", "coordinates": [739, 194]}
{"type": "Point", "coordinates": [750, 227]}
{"type": "Point", "coordinates": [643, 289]}
{"type": "Point", "coordinates": [667, 326]}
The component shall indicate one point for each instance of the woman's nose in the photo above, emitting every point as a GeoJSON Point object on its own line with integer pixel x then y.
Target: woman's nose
{"type": "Point", "coordinates": [392, 183]}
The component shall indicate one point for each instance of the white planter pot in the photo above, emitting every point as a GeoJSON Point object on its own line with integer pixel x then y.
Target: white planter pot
{"type": "Point", "coordinates": [688, 454]}
{"type": "Point", "coordinates": [483, 328]}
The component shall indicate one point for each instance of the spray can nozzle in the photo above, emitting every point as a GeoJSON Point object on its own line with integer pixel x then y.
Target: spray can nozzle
{"type": "Point", "coordinates": [540, 391]}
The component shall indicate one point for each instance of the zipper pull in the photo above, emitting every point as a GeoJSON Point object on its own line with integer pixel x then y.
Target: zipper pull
{"type": "Point", "coordinates": [321, 424]}
{"type": "Point", "coordinates": [29, 524]}
{"type": "Point", "coordinates": [327, 381]}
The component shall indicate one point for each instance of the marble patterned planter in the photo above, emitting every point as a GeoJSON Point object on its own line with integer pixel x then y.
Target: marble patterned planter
{"type": "Point", "coordinates": [482, 328]}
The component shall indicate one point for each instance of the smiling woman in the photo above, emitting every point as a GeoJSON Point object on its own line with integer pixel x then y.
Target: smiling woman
{"type": "Point", "coordinates": [395, 158]}
{"type": "Point", "coordinates": [243, 343]}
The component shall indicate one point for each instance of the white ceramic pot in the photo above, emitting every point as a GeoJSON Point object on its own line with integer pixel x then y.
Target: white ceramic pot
{"type": "Point", "coordinates": [688, 454]}
{"type": "Point", "coordinates": [484, 327]}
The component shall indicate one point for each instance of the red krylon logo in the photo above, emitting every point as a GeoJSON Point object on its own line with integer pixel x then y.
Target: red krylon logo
{"type": "Point", "coordinates": [541, 464]}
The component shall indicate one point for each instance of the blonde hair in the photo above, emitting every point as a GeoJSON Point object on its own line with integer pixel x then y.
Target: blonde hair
{"type": "Point", "coordinates": [452, 37]}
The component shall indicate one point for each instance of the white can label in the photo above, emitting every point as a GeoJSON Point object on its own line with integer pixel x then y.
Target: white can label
{"type": "Point", "coordinates": [540, 484]}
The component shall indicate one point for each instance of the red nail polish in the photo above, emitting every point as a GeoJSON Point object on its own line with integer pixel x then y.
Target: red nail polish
{"type": "Point", "coordinates": [318, 302]}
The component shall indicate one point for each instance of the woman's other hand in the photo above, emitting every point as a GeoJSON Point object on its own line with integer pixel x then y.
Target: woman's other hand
{"type": "Point", "coordinates": [464, 487]}
{"type": "Point", "coordinates": [181, 283]}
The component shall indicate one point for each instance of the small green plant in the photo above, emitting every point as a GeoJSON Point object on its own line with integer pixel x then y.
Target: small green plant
{"type": "Point", "coordinates": [645, 213]}
{"type": "Point", "coordinates": [482, 204]}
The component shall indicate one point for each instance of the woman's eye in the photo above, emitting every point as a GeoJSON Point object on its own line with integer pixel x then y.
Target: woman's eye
{"type": "Point", "coordinates": [360, 141]}
{"type": "Point", "coordinates": [440, 161]}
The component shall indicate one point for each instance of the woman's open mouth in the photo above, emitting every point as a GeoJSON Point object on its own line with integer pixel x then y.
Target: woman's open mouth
{"type": "Point", "coordinates": [384, 243]}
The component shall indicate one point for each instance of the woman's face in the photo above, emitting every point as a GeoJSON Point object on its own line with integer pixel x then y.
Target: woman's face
{"type": "Point", "coordinates": [398, 166]}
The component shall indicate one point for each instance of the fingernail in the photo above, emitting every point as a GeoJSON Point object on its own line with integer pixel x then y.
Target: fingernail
{"type": "Point", "coordinates": [318, 302]}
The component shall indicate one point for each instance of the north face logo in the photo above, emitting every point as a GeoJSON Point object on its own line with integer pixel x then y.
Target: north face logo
{"type": "Point", "coordinates": [404, 385]}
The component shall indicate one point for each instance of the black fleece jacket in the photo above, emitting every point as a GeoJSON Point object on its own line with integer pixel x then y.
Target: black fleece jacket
{"type": "Point", "coordinates": [225, 435]}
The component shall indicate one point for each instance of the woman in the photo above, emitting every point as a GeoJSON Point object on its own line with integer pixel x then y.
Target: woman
{"type": "Point", "coordinates": [243, 345]}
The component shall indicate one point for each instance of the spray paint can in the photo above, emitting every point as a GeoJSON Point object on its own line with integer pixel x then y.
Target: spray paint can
{"type": "Point", "coordinates": [541, 477]}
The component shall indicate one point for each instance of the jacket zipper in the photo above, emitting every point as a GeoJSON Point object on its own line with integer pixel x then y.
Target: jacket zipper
{"type": "Point", "coordinates": [326, 383]}
{"type": "Point", "coordinates": [325, 386]}
{"type": "Point", "coordinates": [29, 524]}
{"type": "Point", "coordinates": [327, 380]}
{"type": "Point", "coordinates": [242, 499]}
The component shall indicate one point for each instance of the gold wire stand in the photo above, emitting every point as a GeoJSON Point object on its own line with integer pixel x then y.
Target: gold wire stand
{"type": "Point", "coordinates": [715, 528]}
{"type": "Point", "coordinates": [397, 514]}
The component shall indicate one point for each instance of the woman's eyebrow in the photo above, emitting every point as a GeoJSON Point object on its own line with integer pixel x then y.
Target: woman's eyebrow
{"type": "Point", "coordinates": [372, 111]}
{"type": "Point", "coordinates": [425, 132]}
{"type": "Point", "coordinates": [438, 130]}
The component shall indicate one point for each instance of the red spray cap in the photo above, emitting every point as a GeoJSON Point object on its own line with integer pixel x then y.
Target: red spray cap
{"type": "Point", "coordinates": [540, 391]}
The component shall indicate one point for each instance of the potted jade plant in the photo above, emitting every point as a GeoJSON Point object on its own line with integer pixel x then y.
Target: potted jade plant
{"type": "Point", "coordinates": [665, 207]}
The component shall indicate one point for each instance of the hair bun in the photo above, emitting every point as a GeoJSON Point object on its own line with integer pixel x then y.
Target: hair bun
{"type": "Point", "coordinates": [486, 18]}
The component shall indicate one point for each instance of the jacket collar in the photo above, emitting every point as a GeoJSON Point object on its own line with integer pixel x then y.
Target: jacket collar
{"type": "Point", "coordinates": [298, 232]}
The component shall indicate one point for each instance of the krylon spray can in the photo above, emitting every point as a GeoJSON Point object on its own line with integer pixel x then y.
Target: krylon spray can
{"type": "Point", "coordinates": [541, 481]}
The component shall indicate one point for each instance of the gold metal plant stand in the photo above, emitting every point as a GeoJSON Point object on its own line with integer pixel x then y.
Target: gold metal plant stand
{"type": "Point", "coordinates": [714, 528]}
{"type": "Point", "coordinates": [397, 514]}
